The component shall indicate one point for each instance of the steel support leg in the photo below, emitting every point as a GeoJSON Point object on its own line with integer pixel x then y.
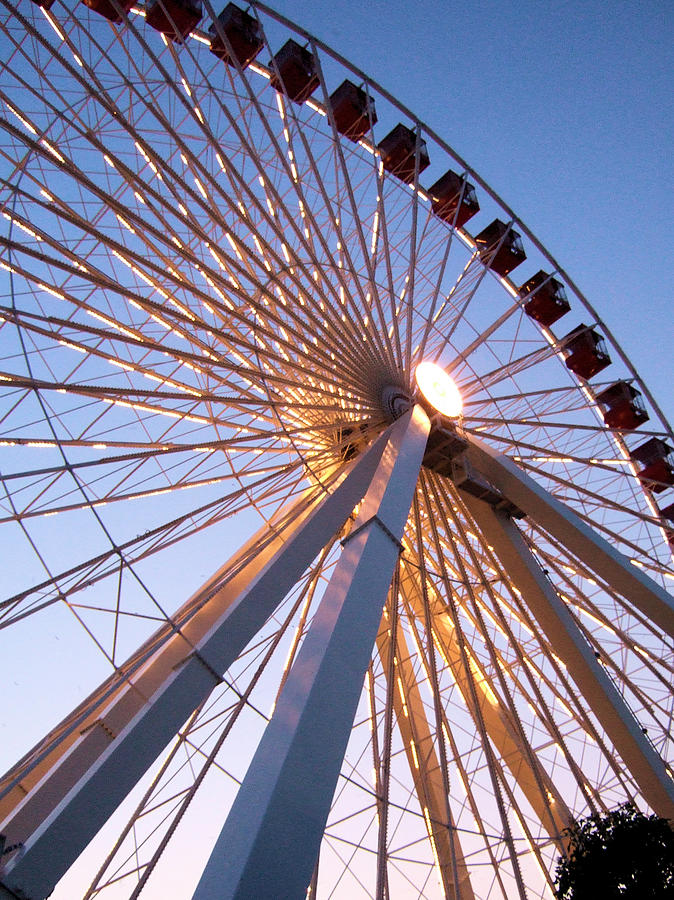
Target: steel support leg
{"type": "Point", "coordinates": [270, 841]}
{"type": "Point", "coordinates": [425, 768]}
{"type": "Point", "coordinates": [533, 780]}
{"type": "Point", "coordinates": [131, 680]}
{"type": "Point", "coordinates": [74, 799]}
{"type": "Point", "coordinates": [567, 641]}
{"type": "Point", "coordinates": [581, 540]}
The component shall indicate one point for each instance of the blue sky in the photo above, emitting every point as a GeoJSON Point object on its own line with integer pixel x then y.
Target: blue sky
{"type": "Point", "coordinates": [566, 110]}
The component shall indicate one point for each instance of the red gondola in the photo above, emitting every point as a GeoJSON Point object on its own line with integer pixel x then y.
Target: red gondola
{"type": "Point", "coordinates": [353, 110]}
{"type": "Point", "coordinates": [454, 199]}
{"type": "Point", "coordinates": [398, 153]}
{"type": "Point", "coordinates": [113, 12]}
{"type": "Point", "coordinates": [293, 71]}
{"type": "Point", "coordinates": [500, 247]}
{"type": "Point", "coordinates": [545, 298]}
{"type": "Point", "coordinates": [623, 407]}
{"type": "Point", "coordinates": [243, 32]}
{"type": "Point", "coordinates": [585, 351]}
{"type": "Point", "coordinates": [657, 459]}
{"type": "Point", "coordinates": [174, 18]}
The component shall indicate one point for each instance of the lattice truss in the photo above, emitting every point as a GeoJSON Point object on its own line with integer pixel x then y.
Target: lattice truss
{"type": "Point", "coordinates": [205, 289]}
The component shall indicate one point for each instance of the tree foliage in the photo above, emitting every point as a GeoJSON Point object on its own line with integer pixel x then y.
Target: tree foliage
{"type": "Point", "coordinates": [624, 855]}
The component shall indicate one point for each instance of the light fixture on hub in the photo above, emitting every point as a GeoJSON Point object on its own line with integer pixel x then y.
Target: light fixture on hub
{"type": "Point", "coordinates": [439, 389]}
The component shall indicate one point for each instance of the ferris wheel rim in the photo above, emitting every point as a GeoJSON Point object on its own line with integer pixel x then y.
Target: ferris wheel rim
{"type": "Point", "coordinates": [430, 481]}
{"type": "Point", "coordinates": [557, 268]}
{"type": "Point", "coordinates": [407, 112]}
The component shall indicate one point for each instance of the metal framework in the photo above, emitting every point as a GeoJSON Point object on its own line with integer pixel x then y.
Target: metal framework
{"type": "Point", "coordinates": [433, 643]}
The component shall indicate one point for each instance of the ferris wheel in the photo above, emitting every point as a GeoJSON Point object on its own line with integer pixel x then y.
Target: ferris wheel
{"type": "Point", "coordinates": [322, 632]}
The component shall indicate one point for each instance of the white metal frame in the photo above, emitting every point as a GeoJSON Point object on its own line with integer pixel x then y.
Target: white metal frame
{"type": "Point", "coordinates": [554, 618]}
{"type": "Point", "coordinates": [269, 843]}
{"type": "Point", "coordinates": [86, 784]}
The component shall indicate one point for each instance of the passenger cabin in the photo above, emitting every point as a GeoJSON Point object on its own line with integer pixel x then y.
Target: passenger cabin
{"type": "Point", "coordinates": [111, 11]}
{"type": "Point", "coordinates": [500, 247]}
{"type": "Point", "coordinates": [545, 298]}
{"type": "Point", "coordinates": [668, 513]}
{"type": "Point", "coordinates": [353, 110]}
{"type": "Point", "coordinates": [243, 32]}
{"type": "Point", "coordinates": [586, 351]}
{"type": "Point", "coordinates": [293, 71]}
{"type": "Point", "coordinates": [453, 199]}
{"type": "Point", "coordinates": [657, 459]}
{"type": "Point", "coordinates": [622, 406]}
{"type": "Point", "coordinates": [398, 153]}
{"type": "Point", "coordinates": [174, 18]}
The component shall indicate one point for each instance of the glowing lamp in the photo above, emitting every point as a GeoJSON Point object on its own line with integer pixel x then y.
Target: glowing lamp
{"type": "Point", "coordinates": [438, 389]}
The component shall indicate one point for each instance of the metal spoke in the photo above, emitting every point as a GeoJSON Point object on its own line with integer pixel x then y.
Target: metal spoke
{"type": "Point", "coordinates": [217, 284]}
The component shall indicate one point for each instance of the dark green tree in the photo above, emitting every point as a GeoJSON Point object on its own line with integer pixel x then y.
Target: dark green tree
{"type": "Point", "coordinates": [623, 855]}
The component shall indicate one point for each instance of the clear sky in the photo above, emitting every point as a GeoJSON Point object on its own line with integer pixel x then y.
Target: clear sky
{"type": "Point", "coordinates": [566, 110]}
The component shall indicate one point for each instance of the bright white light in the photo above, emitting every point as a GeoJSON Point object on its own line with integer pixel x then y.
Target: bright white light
{"type": "Point", "coordinates": [439, 389]}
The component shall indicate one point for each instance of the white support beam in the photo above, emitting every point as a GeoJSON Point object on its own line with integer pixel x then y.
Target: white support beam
{"type": "Point", "coordinates": [270, 841]}
{"type": "Point", "coordinates": [567, 641]}
{"type": "Point", "coordinates": [425, 767]}
{"type": "Point", "coordinates": [581, 540]}
{"type": "Point", "coordinates": [214, 594]}
{"type": "Point", "coordinates": [499, 723]}
{"type": "Point", "coordinates": [76, 796]}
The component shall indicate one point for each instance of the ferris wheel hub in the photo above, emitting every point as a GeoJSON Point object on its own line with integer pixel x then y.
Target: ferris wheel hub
{"type": "Point", "coordinates": [396, 400]}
